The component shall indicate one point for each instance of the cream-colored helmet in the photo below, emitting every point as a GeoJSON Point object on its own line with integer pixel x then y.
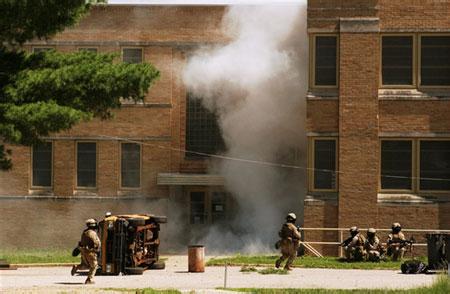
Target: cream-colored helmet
{"type": "Point", "coordinates": [91, 222]}
{"type": "Point", "coordinates": [354, 229]}
{"type": "Point", "coordinates": [291, 216]}
{"type": "Point", "coordinates": [371, 231]}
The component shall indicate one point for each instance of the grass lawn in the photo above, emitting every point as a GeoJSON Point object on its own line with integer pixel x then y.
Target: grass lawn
{"type": "Point", "coordinates": [442, 285]}
{"type": "Point", "coordinates": [305, 262]}
{"type": "Point", "coordinates": [30, 256]}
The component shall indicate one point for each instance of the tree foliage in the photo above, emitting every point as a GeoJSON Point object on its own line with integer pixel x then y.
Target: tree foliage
{"type": "Point", "coordinates": [42, 93]}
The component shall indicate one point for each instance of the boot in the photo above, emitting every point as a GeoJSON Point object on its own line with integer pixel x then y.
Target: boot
{"type": "Point", "coordinates": [89, 281]}
{"type": "Point", "coordinates": [74, 270]}
{"type": "Point", "coordinates": [277, 263]}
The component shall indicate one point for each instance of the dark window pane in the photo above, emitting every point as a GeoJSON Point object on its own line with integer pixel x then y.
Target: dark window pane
{"type": "Point", "coordinates": [203, 134]}
{"type": "Point", "coordinates": [397, 60]}
{"type": "Point", "coordinates": [396, 165]}
{"type": "Point", "coordinates": [132, 55]}
{"type": "Point", "coordinates": [435, 61]}
{"type": "Point", "coordinates": [218, 205]}
{"type": "Point", "coordinates": [325, 61]}
{"type": "Point", "coordinates": [86, 164]}
{"type": "Point", "coordinates": [435, 165]}
{"type": "Point", "coordinates": [198, 214]}
{"type": "Point", "coordinates": [325, 164]}
{"type": "Point", "coordinates": [131, 165]}
{"type": "Point", "coordinates": [88, 49]}
{"type": "Point", "coordinates": [42, 165]}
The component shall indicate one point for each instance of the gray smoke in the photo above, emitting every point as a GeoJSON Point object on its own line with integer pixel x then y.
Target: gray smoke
{"type": "Point", "coordinates": [257, 84]}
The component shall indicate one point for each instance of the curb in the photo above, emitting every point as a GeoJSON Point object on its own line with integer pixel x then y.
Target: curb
{"type": "Point", "coordinates": [25, 265]}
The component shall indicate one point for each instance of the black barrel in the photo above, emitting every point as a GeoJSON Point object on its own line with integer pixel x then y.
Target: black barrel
{"type": "Point", "coordinates": [438, 247]}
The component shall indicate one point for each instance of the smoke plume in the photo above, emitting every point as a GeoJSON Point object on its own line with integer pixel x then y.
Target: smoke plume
{"type": "Point", "coordinates": [256, 84]}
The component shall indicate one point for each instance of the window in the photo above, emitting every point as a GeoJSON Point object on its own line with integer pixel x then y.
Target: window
{"type": "Point", "coordinates": [42, 165]}
{"type": "Point", "coordinates": [397, 60]}
{"type": "Point", "coordinates": [208, 206]}
{"type": "Point", "coordinates": [435, 165]}
{"type": "Point", "coordinates": [41, 49]}
{"type": "Point", "coordinates": [88, 49]}
{"type": "Point", "coordinates": [86, 164]}
{"type": "Point", "coordinates": [324, 158]}
{"type": "Point", "coordinates": [198, 213]}
{"type": "Point", "coordinates": [435, 61]}
{"type": "Point", "coordinates": [218, 206]}
{"type": "Point", "coordinates": [203, 134]}
{"type": "Point", "coordinates": [132, 55]}
{"type": "Point", "coordinates": [396, 165]}
{"type": "Point", "coordinates": [325, 61]}
{"type": "Point", "coordinates": [131, 165]}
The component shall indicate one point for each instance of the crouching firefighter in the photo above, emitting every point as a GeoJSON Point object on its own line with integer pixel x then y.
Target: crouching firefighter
{"type": "Point", "coordinates": [373, 246]}
{"type": "Point", "coordinates": [89, 247]}
{"type": "Point", "coordinates": [289, 243]}
{"type": "Point", "coordinates": [354, 245]}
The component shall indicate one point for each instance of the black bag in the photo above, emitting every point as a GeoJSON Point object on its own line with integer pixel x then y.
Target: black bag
{"type": "Point", "coordinates": [76, 251]}
{"type": "Point", "coordinates": [414, 267]}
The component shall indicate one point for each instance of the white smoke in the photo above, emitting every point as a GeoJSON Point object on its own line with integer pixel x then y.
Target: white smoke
{"type": "Point", "coordinates": [256, 84]}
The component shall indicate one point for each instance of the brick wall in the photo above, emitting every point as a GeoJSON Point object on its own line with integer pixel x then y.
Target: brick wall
{"type": "Point", "coordinates": [358, 129]}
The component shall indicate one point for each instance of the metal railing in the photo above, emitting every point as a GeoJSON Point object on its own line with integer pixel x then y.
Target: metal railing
{"type": "Point", "coordinates": [343, 232]}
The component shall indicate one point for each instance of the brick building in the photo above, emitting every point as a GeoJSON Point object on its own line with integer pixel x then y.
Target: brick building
{"type": "Point", "coordinates": [378, 126]}
{"type": "Point", "coordinates": [378, 118]}
{"type": "Point", "coordinates": [131, 163]}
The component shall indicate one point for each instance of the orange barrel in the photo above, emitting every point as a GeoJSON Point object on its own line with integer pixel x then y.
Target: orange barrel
{"type": "Point", "coordinates": [196, 258]}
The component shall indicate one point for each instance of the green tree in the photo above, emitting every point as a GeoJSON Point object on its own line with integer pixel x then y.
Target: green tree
{"type": "Point", "coordinates": [42, 93]}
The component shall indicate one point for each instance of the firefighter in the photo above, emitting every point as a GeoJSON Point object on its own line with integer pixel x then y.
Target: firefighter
{"type": "Point", "coordinates": [354, 245]}
{"type": "Point", "coordinates": [89, 247]}
{"type": "Point", "coordinates": [290, 240]}
{"type": "Point", "coordinates": [396, 243]}
{"type": "Point", "coordinates": [373, 246]}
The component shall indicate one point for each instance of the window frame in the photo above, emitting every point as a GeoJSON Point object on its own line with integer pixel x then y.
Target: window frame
{"type": "Point", "coordinates": [311, 160]}
{"type": "Point", "coordinates": [52, 170]}
{"type": "Point", "coordinates": [193, 155]}
{"type": "Point", "coordinates": [419, 190]}
{"type": "Point", "coordinates": [419, 60]}
{"type": "Point", "coordinates": [76, 165]}
{"type": "Point", "coordinates": [140, 167]}
{"type": "Point", "coordinates": [415, 65]}
{"type": "Point", "coordinates": [132, 47]}
{"type": "Point", "coordinates": [413, 166]}
{"type": "Point", "coordinates": [312, 62]}
{"type": "Point", "coordinates": [208, 204]}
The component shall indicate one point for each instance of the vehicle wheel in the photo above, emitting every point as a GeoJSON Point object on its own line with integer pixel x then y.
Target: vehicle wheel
{"type": "Point", "coordinates": [159, 265]}
{"type": "Point", "coordinates": [160, 219]}
{"type": "Point", "coordinates": [134, 222]}
{"type": "Point", "coordinates": [134, 270]}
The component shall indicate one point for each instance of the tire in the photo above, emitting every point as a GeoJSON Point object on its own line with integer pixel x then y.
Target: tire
{"type": "Point", "coordinates": [134, 222]}
{"type": "Point", "coordinates": [160, 219]}
{"type": "Point", "coordinates": [159, 265]}
{"type": "Point", "coordinates": [134, 270]}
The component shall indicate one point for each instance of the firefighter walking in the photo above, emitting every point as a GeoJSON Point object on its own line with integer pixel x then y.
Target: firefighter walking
{"type": "Point", "coordinates": [89, 247]}
{"type": "Point", "coordinates": [289, 243]}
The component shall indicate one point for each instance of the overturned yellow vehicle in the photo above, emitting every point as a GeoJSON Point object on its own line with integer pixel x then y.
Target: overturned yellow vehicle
{"type": "Point", "coordinates": [130, 244]}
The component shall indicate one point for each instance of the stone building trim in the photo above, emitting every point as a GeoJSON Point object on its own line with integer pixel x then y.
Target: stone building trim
{"type": "Point", "coordinates": [77, 197]}
{"type": "Point", "coordinates": [411, 199]}
{"type": "Point", "coordinates": [179, 179]}
{"type": "Point", "coordinates": [81, 43]}
{"type": "Point", "coordinates": [359, 25]}
{"type": "Point", "coordinates": [108, 138]}
{"type": "Point", "coordinates": [413, 135]}
{"type": "Point", "coordinates": [323, 198]}
{"type": "Point", "coordinates": [414, 94]}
